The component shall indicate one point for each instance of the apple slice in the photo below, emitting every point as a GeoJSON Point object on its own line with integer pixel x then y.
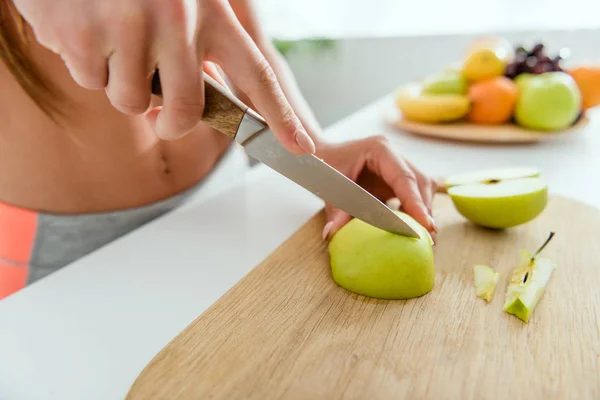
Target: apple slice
{"type": "Point", "coordinates": [500, 198]}
{"type": "Point", "coordinates": [486, 280]}
{"type": "Point", "coordinates": [528, 282]}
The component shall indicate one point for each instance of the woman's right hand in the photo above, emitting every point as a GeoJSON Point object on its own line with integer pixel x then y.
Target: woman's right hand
{"type": "Point", "coordinates": [116, 45]}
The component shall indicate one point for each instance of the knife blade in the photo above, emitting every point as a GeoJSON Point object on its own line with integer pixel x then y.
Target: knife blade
{"type": "Point", "coordinates": [227, 114]}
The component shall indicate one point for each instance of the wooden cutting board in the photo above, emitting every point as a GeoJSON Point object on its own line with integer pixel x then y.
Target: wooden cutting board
{"type": "Point", "coordinates": [287, 331]}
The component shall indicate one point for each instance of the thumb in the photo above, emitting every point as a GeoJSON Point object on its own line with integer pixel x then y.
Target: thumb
{"type": "Point", "coordinates": [336, 219]}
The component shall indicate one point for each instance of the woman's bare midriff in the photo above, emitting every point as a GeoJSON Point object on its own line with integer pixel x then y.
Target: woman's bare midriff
{"type": "Point", "coordinates": [99, 159]}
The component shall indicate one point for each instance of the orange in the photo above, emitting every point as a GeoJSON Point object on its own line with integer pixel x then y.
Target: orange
{"type": "Point", "coordinates": [588, 80]}
{"type": "Point", "coordinates": [493, 100]}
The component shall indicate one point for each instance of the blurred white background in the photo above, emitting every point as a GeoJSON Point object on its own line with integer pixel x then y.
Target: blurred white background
{"type": "Point", "coordinates": [374, 46]}
{"type": "Point", "coordinates": [354, 18]}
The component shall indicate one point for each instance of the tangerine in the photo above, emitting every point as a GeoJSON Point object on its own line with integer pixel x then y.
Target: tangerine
{"type": "Point", "coordinates": [588, 80]}
{"type": "Point", "coordinates": [493, 100]}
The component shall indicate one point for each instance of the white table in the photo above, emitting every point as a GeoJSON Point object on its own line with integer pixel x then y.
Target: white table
{"type": "Point", "coordinates": [86, 331]}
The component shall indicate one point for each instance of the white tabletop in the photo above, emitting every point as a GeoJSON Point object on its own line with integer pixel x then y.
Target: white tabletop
{"type": "Point", "coordinates": [87, 331]}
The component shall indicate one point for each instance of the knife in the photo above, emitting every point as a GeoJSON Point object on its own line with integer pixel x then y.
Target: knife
{"type": "Point", "coordinates": [228, 115]}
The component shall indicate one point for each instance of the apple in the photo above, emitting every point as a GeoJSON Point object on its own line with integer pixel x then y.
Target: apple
{"type": "Point", "coordinates": [548, 102]}
{"type": "Point", "coordinates": [445, 82]}
{"type": "Point", "coordinates": [499, 198]}
{"type": "Point", "coordinates": [522, 80]}
{"type": "Point", "coordinates": [375, 263]}
{"type": "Point", "coordinates": [485, 279]}
{"type": "Point", "coordinates": [528, 282]}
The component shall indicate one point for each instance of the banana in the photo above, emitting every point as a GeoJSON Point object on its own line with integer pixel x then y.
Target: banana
{"type": "Point", "coordinates": [437, 108]}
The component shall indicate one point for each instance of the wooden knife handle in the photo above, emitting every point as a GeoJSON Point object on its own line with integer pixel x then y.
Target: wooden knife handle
{"type": "Point", "coordinates": [222, 110]}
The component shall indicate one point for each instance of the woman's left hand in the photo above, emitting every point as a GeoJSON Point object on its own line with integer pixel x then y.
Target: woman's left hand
{"type": "Point", "coordinates": [372, 164]}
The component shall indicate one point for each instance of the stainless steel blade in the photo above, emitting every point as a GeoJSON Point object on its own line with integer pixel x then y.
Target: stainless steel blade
{"type": "Point", "coordinates": [319, 178]}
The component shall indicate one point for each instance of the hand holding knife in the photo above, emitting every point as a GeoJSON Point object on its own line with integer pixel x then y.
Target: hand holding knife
{"type": "Point", "coordinates": [228, 115]}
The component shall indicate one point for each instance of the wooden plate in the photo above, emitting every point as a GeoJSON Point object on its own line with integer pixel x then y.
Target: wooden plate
{"type": "Point", "coordinates": [465, 132]}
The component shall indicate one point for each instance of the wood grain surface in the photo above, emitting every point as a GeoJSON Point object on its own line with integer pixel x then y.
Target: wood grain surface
{"type": "Point", "coordinates": [287, 331]}
{"type": "Point", "coordinates": [477, 133]}
{"type": "Point", "coordinates": [222, 111]}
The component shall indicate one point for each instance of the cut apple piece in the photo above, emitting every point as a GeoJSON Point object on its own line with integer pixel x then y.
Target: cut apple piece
{"type": "Point", "coordinates": [527, 283]}
{"type": "Point", "coordinates": [499, 198]}
{"type": "Point", "coordinates": [486, 280]}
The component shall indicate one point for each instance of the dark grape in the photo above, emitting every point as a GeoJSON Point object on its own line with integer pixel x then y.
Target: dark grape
{"type": "Point", "coordinates": [535, 61]}
{"type": "Point", "coordinates": [512, 70]}
{"type": "Point", "coordinates": [544, 59]}
{"type": "Point", "coordinates": [537, 50]}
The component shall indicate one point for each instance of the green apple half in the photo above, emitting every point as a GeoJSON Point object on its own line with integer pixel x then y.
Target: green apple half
{"type": "Point", "coordinates": [375, 263]}
{"type": "Point", "coordinates": [527, 283]}
{"type": "Point", "coordinates": [499, 198]}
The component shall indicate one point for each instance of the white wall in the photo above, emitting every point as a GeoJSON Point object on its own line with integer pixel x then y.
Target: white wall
{"type": "Point", "coordinates": [358, 71]}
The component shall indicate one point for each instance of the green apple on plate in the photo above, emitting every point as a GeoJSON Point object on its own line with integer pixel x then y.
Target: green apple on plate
{"type": "Point", "coordinates": [499, 198]}
{"type": "Point", "coordinates": [375, 263]}
{"type": "Point", "coordinates": [528, 282]}
{"type": "Point", "coordinates": [445, 82]}
{"type": "Point", "coordinates": [549, 101]}
{"type": "Point", "coordinates": [522, 80]}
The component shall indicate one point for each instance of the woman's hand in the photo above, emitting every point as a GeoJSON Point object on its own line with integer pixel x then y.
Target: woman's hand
{"type": "Point", "coordinates": [116, 45]}
{"type": "Point", "coordinates": [373, 165]}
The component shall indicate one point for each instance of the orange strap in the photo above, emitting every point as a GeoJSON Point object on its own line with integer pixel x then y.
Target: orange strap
{"type": "Point", "coordinates": [17, 235]}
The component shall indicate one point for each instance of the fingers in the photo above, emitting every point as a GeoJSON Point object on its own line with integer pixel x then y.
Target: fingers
{"type": "Point", "coordinates": [249, 70]}
{"type": "Point", "coordinates": [181, 82]}
{"type": "Point", "coordinates": [129, 81]}
{"type": "Point", "coordinates": [398, 174]}
{"type": "Point", "coordinates": [82, 51]}
{"type": "Point", "coordinates": [426, 187]}
{"type": "Point", "coordinates": [336, 219]}
{"type": "Point", "coordinates": [212, 70]}
{"type": "Point", "coordinates": [88, 72]}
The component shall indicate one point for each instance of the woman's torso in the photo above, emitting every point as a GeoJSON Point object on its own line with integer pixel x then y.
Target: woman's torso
{"type": "Point", "coordinates": [68, 190]}
{"type": "Point", "coordinates": [99, 160]}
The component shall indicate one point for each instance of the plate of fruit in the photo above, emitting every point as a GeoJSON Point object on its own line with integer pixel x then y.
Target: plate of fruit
{"type": "Point", "coordinates": [499, 93]}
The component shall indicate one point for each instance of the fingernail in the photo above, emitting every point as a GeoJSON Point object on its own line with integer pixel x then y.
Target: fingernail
{"type": "Point", "coordinates": [432, 223]}
{"type": "Point", "coordinates": [327, 229]}
{"type": "Point", "coordinates": [394, 203]}
{"type": "Point", "coordinates": [305, 142]}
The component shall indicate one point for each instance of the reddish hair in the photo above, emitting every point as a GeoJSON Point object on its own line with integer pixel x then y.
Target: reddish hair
{"type": "Point", "coordinates": [14, 43]}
